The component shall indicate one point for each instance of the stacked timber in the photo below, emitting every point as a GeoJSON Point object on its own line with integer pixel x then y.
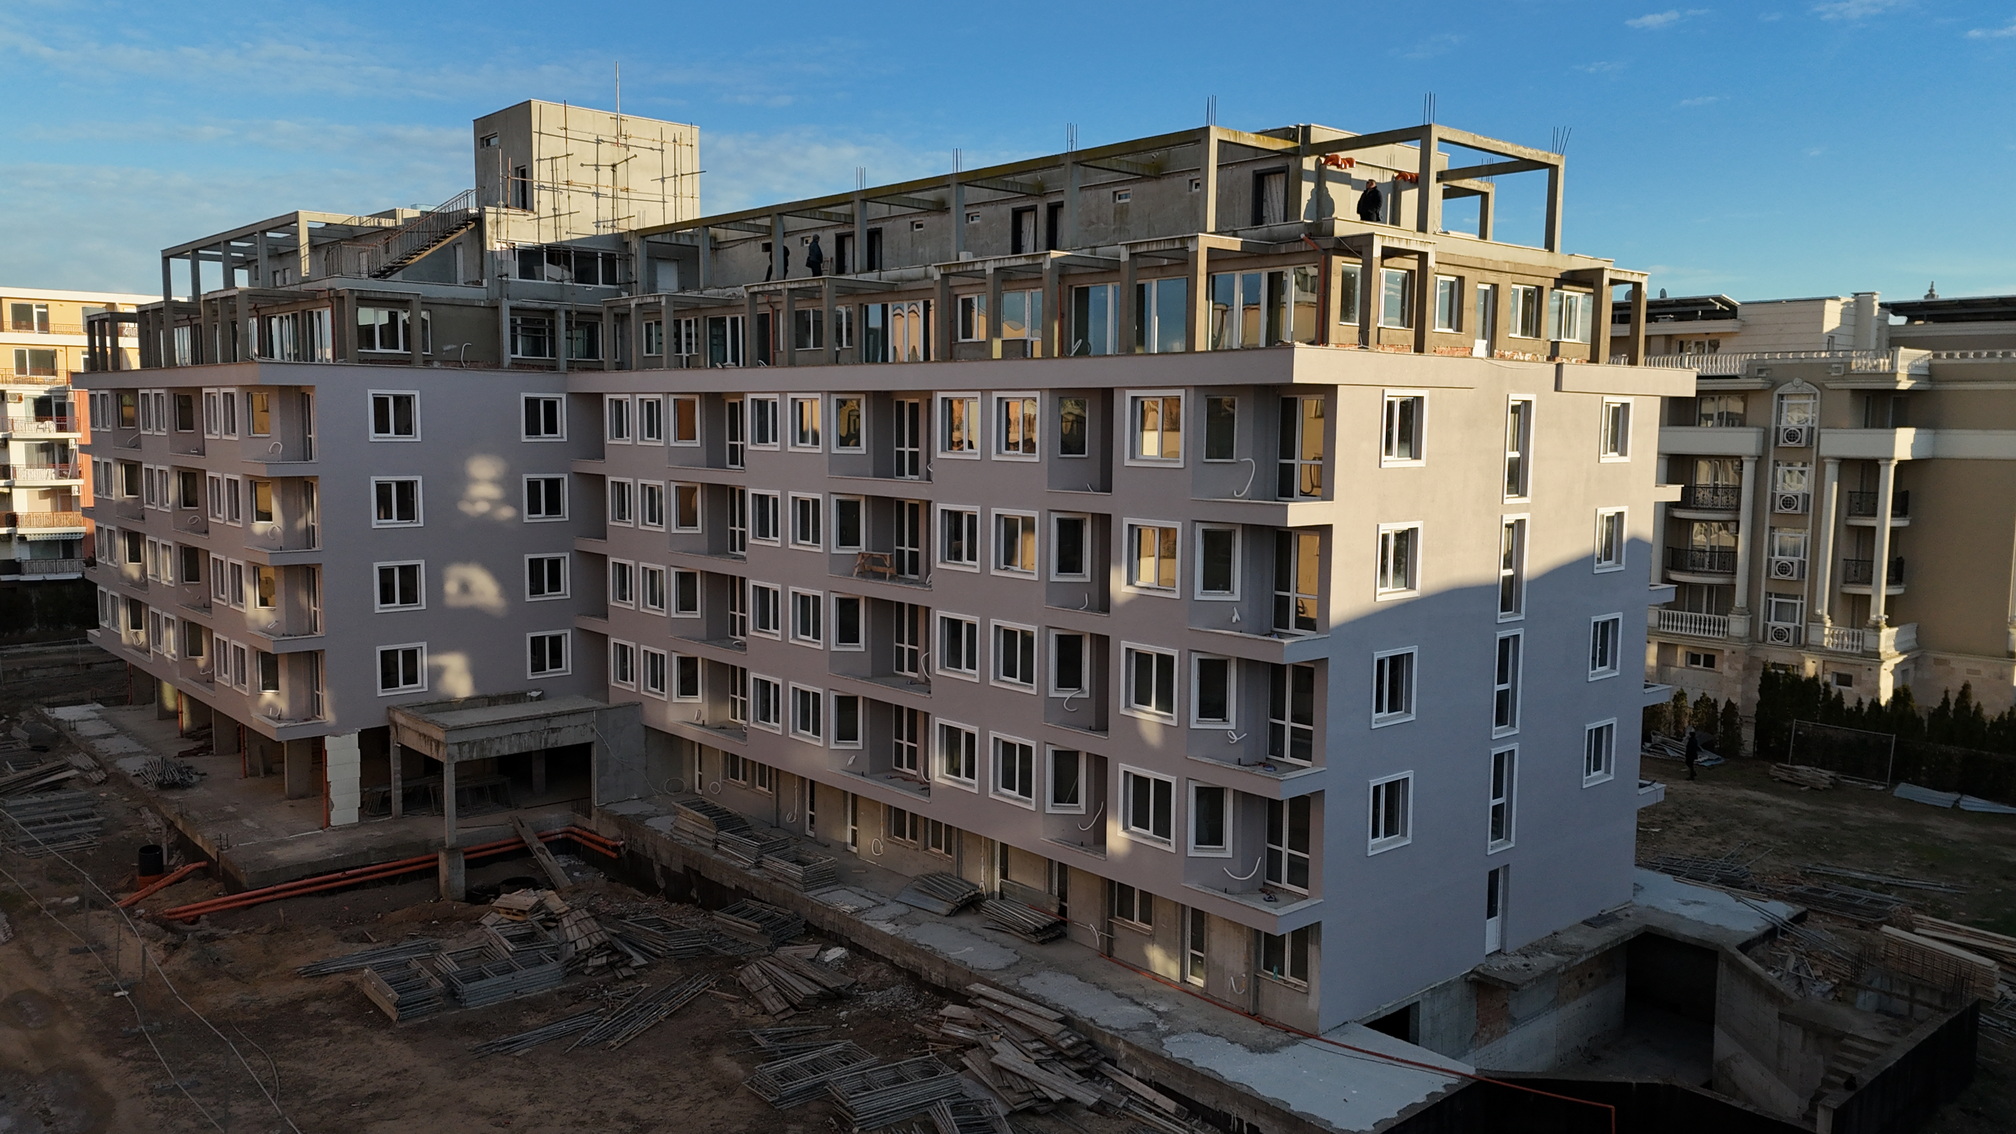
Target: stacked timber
{"type": "Point", "coordinates": [940, 893]}
{"type": "Point", "coordinates": [36, 776]}
{"type": "Point", "coordinates": [663, 937]}
{"type": "Point", "coordinates": [759, 923]}
{"type": "Point", "coordinates": [1937, 964]}
{"type": "Point", "coordinates": [1800, 775]}
{"type": "Point", "coordinates": [404, 990]}
{"type": "Point", "coordinates": [701, 821]}
{"type": "Point", "coordinates": [748, 847]}
{"type": "Point", "coordinates": [801, 870]}
{"type": "Point", "coordinates": [784, 983]}
{"type": "Point", "coordinates": [1997, 947]}
{"type": "Point", "coordinates": [1030, 924]}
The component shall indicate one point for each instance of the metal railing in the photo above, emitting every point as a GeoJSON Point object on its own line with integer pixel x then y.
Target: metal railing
{"type": "Point", "coordinates": [1862, 572]}
{"type": "Point", "coordinates": [1732, 363]}
{"type": "Point", "coordinates": [25, 423]}
{"type": "Point", "coordinates": [36, 567]}
{"type": "Point", "coordinates": [1689, 622]}
{"type": "Point", "coordinates": [1864, 504]}
{"type": "Point", "coordinates": [30, 473]}
{"type": "Point", "coordinates": [1702, 560]}
{"type": "Point", "coordinates": [44, 521]}
{"type": "Point", "coordinates": [1714, 497]}
{"type": "Point", "coordinates": [393, 250]}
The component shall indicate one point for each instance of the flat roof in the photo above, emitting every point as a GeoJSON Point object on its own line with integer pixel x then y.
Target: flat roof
{"type": "Point", "coordinates": [1962, 309]}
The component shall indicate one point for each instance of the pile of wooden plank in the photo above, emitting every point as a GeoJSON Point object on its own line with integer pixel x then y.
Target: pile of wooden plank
{"type": "Point", "coordinates": [404, 990]}
{"type": "Point", "coordinates": [700, 821]}
{"type": "Point", "coordinates": [50, 823]}
{"type": "Point", "coordinates": [966, 1115]}
{"type": "Point", "coordinates": [789, 981]}
{"type": "Point", "coordinates": [748, 847]}
{"type": "Point", "coordinates": [784, 1083]}
{"type": "Point", "coordinates": [759, 923]}
{"type": "Point", "coordinates": [940, 893]}
{"type": "Point", "coordinates": [1938, 964]}
{"type": "Point", "coordinates": [1997, 947]}
{"type": "Point", "coordinates": [801, 870]}
{"type": "Point", "coordinates": [1030, 924]}
{"type": "Point", "coordinates": [1802, 775]}
{"type": "Point", "coordinates": [36, 776]}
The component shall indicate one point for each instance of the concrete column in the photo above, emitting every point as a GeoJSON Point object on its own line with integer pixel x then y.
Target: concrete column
{"type": "Point", "coordinates": [778, 269]}
{"type": "Point", "coordinates": [945, 322]}
{"type": "Point", "coordinates": [504, 332]}
{"type": "Point", "coordinates": [706, 255]}
{"type": "Point", "coordinates": [1739, 615]}
{"type": "Point", "coordinates": [993, 313]}
{"type": "Point", "coordinates": [1424, 300]}
{"type": "Point", "coordinates": [1069, 237]}
{"type": "Point", "coordinates": [832, 327]}
{"type": "Point", "coordinates": [1554, 187]}
{"type": "Point", "coordinates": [1428, 201]}
{"type": "Point", "coordinates": [1207, 174]}
{"type": "Point", "coordinates": [561, 316]}
{"type": "Point", "coordinates": [1599, 321]}
{"type": "Point", "coordinates": [1368, 291]}
{"type": "Point", "coordinates": [1634, 352]}
{"type": "Point", "coordinates": [245, 342]}
{"type": "Point", "coordinates": [164, 700]}
{"type": "Point", "coordinates": [539, 772]}
{"type": "Point", "coordinates": [414, 344]}
{"type": "Point", "coordinates": [303, 260]}
{"type": "Point", "coordinates": [958, 219]}
{"type": "Point", "coordinates": [448, 803]}
{"type": "Point", "coordinates": [1053, 307]}
{"type": "Point", "coordinates": [1879, 569]}
{"type": "Point", "coordinates": [751, 347]}
{"type": "Point", "coordinates": [453, 873]}
{"type": "Point", "coordinates": [1659, 542]}
{"type": "Point", "coordinates": [1130, 311]}
{"type": "Point", "coordinates": [396, 756]}
{"type": "Point", "coordinates": [1487, 208]}
{"type": "Point", "coordinates": [787, 335]}
{"type": "Point", "coordinates": [297, 765]}
{"type": "Point", "coordinates": [859, 263]}
{"type": "Point", "coordinates": [257, 276]}
{"type": "Point", "coordinates": [1822, 573]}
{"type": "Point", "coordinates": [343, 764]}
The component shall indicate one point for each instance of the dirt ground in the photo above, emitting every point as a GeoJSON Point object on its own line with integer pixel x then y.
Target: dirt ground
{"type": "Point", "coordinates": [73, 1060]}
{"type": "Point", "coordinates": [1782, 827]}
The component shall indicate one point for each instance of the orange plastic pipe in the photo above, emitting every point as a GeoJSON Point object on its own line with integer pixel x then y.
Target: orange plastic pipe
{"type": "Point", "coordinates": [161, 884]}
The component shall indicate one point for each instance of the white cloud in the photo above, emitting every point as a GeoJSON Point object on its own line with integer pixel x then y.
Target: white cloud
{"type": "Point", "coordinates": [1431, 47]}
{"type": "Point", "coordinates": [1994, 33]}
{"type": "Point", "coordinates": [1702, 100]}
{"type": "Point", "coordinates": [1653, 21]}
{"type": "Point", "coordinates": [1601, 67]}
{"type": "Point", "coordinates": [1856, 9]}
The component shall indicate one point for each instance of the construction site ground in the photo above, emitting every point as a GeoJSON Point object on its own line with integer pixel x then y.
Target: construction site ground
{"type": "Point", "coordinates": [1738, 807]}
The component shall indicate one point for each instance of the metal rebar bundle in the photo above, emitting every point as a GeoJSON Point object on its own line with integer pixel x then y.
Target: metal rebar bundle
{"type": "Point", "coordinates": [759, 923]}
{"type": "Point", "coordinates": [639, 1015]}
{"type": "Point", "coordinates": [372, 958]}
{"type": "Point", "coordinates": [785, 1083]}
{"type": "Point", "coordinates": [876, 1096]}
{"type": "Point", "coordinates": [545, 1033]}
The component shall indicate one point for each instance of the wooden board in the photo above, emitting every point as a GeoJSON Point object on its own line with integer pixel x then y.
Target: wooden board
{"type": "Point", "coordinates": [540, 854]}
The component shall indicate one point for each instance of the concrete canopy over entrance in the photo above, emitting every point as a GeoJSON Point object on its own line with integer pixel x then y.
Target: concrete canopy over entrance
{"type": "Point", "coordinates": [508, 724]}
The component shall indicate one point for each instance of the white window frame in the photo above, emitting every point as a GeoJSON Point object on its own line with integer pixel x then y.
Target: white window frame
{"type": "Point", "coordinates": [766, 513]}
{"type": "Point", "coordinates": [650, 419]}
{"type": "Point", "coordinates": [1512, 687]}
{"type": "Point", "coordinates": [646, 656]}
{"type": "Point", "coordinates": [419, 501]}
{"type": "Point", "coordinates": [678, 666]}
{"type": "Point", "coordinates": [1132, 434]}
{"type": "Point", "coordinates": [646, 572]}
{"type": "Point", "coordinates": [672, 507]}
{"type": "Point", "coordinates": [800, 696]}
{"type": "Point", "coordinates": [998, 450]}
{"type": "Point", "coordinates": [621, 649]}
{"type": "Point", "coordinates": [817, 513]}
{"type": "Point", "coordinates": [1516, 572]}
{"type": "Point", "coordinates": [860, 504]}
{"type": "Point", "coordinates": [794, 424]}
{"type": "Point", "coordinates": [620, 501]}
{"type": "Point", "coordinates": [1389, 422]}
{"type": "Point", "coordinates": [995, 742]}
{"type": "Point", "coordinates": [1381, 591]}
{"type": "Point", "coordinates": [1128, 651]}
{"type": "Point", "coordinates": [940, 772]}
{"type": "Point", "coordinates": [1520, 447]}
{"type": "Point", "coordinates": [972, 625]}
{"type": "Point", "coordinates": [672, 418]}
{"type": "Point", "coordinates": [860, 623]}
{"type": "Point", "coordinates": [974, 428]}
{"type": "Point", "coordinates": [944, 528]}
{"type": "Point", "coordinates": [566, 576]}
{"type": "Point", "coordinates": [526, 499]}
{"type": "Point", "coordinates": [420, 585]}
{"type": "Point", "coordinates": [1382, 663]}
{"type": "Point", "coordinates": [419, 687]}
{"type": "Point", "coordinates": [619, 424]}
{"type": "Point", "coordinates": [626, 594]}
{"type": "Point", "coordinates": [1085, 544]}
{"type": "Point", "coordinates": [672, 594]}
{"type": "Point", "coordinates": [1599, 752]}
{"type": "Point", "coordinates": [1378, 841]}
{"type": "Point", "coordinates": [566, 667]}
{"type": "Point", "coordinates": [1231, 721]}
{"type": "Point", "coordinates": [1614, 445]}
{"type": "Point", "coordinates": [997, 655]}
{"type": "Point", "coordinates": [1132, 527]}
{"type": "Point", "coordinates": [756, 719]}
{"type": "Point", "coordinates": [391, 396]}
{"type": "Point", "coordinates": [1050, 761]}
{"type": "Point", "coordinates": [861, 412]}
{"type": "Point", "coordinates": [756, 416]}
{"type": "Point", "coordinates": [1032, 527]}
{"type": "Point", "coordinates": [1146, 837]}
{"type": "Point", "coordinates": [1193, 809]}
{"type": "Point", "coordinates": [1611, 558]}
{"type": "Point", "coordinates": [1502, 797]}
{"type": "Point", "coordinates": [559, 418]}
{"type": "Point", "coordinates": [757, 628]}
{"type": "Point", "coordinates": [650, 503]}
{"type": "Point", "coordinates": [1085, 661]}
{"type": "Point", "coordinates": [1453, 287]}
{"type": "Point", "coordinates": [817, 601]}
{"type": "Point", "coordinates": [1238, 565]}
{"type": "Point", "coordinates": [834, 739]}
{"type": "Point", "coordinates": [1517, 295]}
{"type": "Point", "coordinates": [1615, 634]}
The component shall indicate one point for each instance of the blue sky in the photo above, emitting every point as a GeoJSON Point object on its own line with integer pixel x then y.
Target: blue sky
{"type": "Point", "coordinates": [1759, 149]}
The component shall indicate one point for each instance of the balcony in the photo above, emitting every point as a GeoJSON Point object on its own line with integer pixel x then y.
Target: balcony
{"type": "Point", "coordinates": [43, 425]}
{"type": "Point", "coordinates": [1690, 623]}
{"type": "Point", "coordinates": [1862, 573]}
{"type": "Point", "coordinates": [42, 568]}
{"type": "Point", "coordinates": [40, 474]}
{"type": "Point", "coordinates": [1712, 497]}
{"type": "Point", "coordinates": [48, 523]}
{"type": "Point", "coordinates": [1863, 505]}
{"type": "Point", "coordinates": [1872, 641]}
{"type": "Point", "coordinates": [1701, 560]}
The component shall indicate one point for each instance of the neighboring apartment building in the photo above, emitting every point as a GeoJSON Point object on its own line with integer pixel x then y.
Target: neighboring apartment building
{"type": "Point", "coordinates": [1846, 504]}
{"type": "Point", "coordinates": [1124, 528]}
{"type": "Point", "coordinates": [43, 483]}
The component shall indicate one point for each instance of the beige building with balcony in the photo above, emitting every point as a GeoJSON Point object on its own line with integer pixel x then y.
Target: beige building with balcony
{"type": "Point", "coordinates": [44, 485]}
{"type": "Point", "coordinates": [1846, 472]}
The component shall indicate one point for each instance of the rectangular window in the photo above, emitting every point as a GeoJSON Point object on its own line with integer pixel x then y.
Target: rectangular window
{"type": "Point", "coordinates": [805, 419]}
{"type": "Point", "coordinates": [1606, 636]}
{"type": "Point", "coordinates": [1213, 695]}
{"type": "Point", "coordinates": [808, 617]}
{"type": "Point", "coordinates": [402, 669]}
{"type": "Point", "coordinates": [846, 720]}
{"type": "Point", "coordinates": [1155, 427]}
{"type": "Point", "coordinates": [685, 507]}
{"type": "Point", "coordinates": [1610, 539]}
{"type": "Point", "coordinates": [1135, 907]}
{"type": "Point", "coordinates": [958, 645]}
{"type": "Point", "coordinates": [1288, 843]}
{"type": "Point", "coordinates": [1504, 775]}
{"type": "Point", "coordinates": [651, 588]}
{"type": "Point", "coordinates": [808, 328]}
{"type": "Point", "coordinates": [807, 513]}
{"type": "Point", "coordinates": [1069, 547]}
{"type": "Point", "coordinates": [1285, 956]}
{"type": "Point", "coordinates": [1448, 303]}
{"type": "Point", "coordinates": [1221, 428]}
{"type": "Point", "coordinates": [1392, 813]}
{"type": "Point", "coordinates": [1067, 663]}
{"type": "Point", "coordinates": [400, 586]}
{"type": "Point", "coordinates": [848, 523]}
{"type": "Point", "coordinates": [1217, 561]}
{"type": "Point", "coordinates": [959, 537]}
{"type": "Point", "coordinates": [1399, 554]}
{"type": "Point", "coordinates": [396, 500]}
{"type": "Point", "coordinates": [545, 576]}
{"type": "Point", "coordinates": [685, 593]}
{"type": "Point", "coordinates": [547, 654]}
{"type": "Point", "coordinates": [1015, 427]}
{"type": "Point", "coordinates": [1067, 781]}
{"type": "Point", "coordinates": [766, 703]}
{"type": "Point", "coordinates": [1505, 683]}
{"type": "Point", "coordinates": [1599, 752]}
{"type": "Point", "coordinates": [1298, 465]}
{"type": "Point", "coordinates": [847, 424]}
{"type": "Point", "coordinates": [1525, 312]}
{"type": "Point", "coordinates": [958, 754]}
{"type": "Point", "coordinates": [958, 425]}
{"type": "Point", "coordinates": [685, 414]}
{"type": "Point", "coordinates": [654, 676]}
{"type": "Point", "coordinates": [545, 498]}
{"type": "Point", "coordinates": [1073, 438]}
{"type": "Point", "coordinates": [1151, 682]}
{"type": "Point", "coordinates": [1570, 311]}
{"type": "Point", "coordinates": [1210, 820]}
{"type": "Point", "coordinates": [616, 412]}
{"type": "Point", "coordinates": [1393, 687]}
{"type": "Point", "coordinates": [654, 338]}
{"type": "Point", "coordinates": [545, 417]}
{"type": "Point", "coordinates": [1297, 579]}
{"type": "Point", "coordinates": [395, 416]}
{"type": "Point", "coordinates": [1406, 417]}
{"type": "Point", "coordinates": [623, 664]}
{"type": "Point", "coordinates": [1616, 442]}
{"type": "Point", "coordinates": [763, 517]}
{"type": "Point", "coordinates": [621, 497]}
{"type": "Point", "coordinates": [1512, 568]}
{"type": "Point", "coordinates": [847, 623]}
{"type": "Point", "coordinates": [766, 610]}
{"type": "Point", "coordinates": [808, 714]}
{"type": "Point", "coordinates": [1518, 443]}
{"type": "Point", "coordinates": [651, 505]}
{"type": "Point", "coordinates": [1151, 564]}
{"type": "Point", "coordinates": [762, 422]}
{"type": "Point", "coordinates": [1148, 806]}
{"type": "Point", "coordinates": [1015, 655]}
{"type": "Point", "coordinates": [1015, 542]}
{"type": "Point", "coordinates": [622, 583]}
{"type": "Point", "coordinates": [651, 420]}
{"type": "Point", "coordinates": [685, 677]}
{"type": "Point", "coordinates": [1015, 770]}
{"type": "Point", "coordinates": [1396, 297]}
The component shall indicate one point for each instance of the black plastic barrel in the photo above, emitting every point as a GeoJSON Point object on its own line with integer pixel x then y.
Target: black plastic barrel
{"type": "Point", "coordinates": [153, 860]}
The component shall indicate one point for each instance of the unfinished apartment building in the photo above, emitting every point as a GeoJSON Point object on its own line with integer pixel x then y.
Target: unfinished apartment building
{"type": "Point", "coordinates": [43, 535]}
{"type": "Point", "coordinates": [1845, 467]}
{"type": "Point", "coordinates": [1165, 532]}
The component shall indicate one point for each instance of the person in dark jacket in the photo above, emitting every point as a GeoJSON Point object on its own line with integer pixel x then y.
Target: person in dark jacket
{"type": "Point", "coordinates": [815, 257]}
{"type": "Point", "coordinates": [1372, 203]}
{"type": "Point", "coordinates": [1693, 751]}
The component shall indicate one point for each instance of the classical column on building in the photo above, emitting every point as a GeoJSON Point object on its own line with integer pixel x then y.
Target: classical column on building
{"type": "Point", "coordinates": [1822, 574]}
{"type": "Point", "coordinates": [1879, 566]}
{"type": "Point", "coordinates": [1739, 613]}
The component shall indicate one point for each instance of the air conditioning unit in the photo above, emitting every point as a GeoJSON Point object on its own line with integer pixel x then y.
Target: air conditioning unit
{"type": "Point", "coordinates": [1795, 436]}
{"type": "Point", "coordinates": [1779, 634]}
{"type": "Point", "coordinates": [1786, 567]}
{"type": "Point", "coordinates": [1789, 503]}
